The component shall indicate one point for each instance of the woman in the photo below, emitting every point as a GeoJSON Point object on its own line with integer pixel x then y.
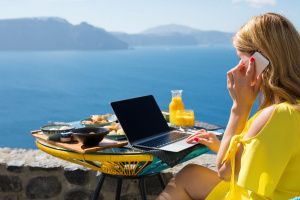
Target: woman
{"type": "Point", "coordinates": [258, 158]}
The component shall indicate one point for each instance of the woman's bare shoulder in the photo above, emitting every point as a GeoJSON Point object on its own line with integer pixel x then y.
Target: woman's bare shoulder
{"type": "Point", "coordinates": [267, 112]}
{"type": "Point", "coordinates": [260, 121]}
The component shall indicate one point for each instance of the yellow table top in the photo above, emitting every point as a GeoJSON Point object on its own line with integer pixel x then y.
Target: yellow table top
{"type": "Point", "coordinates": [119, 161]}
{"type": "Point", "coordinates": [115, 161]}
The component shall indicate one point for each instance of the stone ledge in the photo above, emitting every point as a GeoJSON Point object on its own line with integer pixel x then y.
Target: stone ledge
{"type": "Point", "coordinates": [30, 157]}
{"type": "Point", "coordinates": [28, 173]}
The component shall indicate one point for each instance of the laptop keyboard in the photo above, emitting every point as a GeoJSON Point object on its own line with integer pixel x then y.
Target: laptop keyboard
{"type": "Point", "coordinates": [165, 139]}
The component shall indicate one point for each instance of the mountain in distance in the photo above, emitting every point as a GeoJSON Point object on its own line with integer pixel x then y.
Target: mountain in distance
{"type": "Point", "coordinates": [175, 35]}
{"type": "Point", "coordinates": [169, 29]}
{"type": "Point", "coordinates": [174, 39]}
{"type": "Point", "coordinates": [52, 33]}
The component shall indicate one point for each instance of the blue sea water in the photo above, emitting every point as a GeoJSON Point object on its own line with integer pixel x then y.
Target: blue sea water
{"type": "Point", "coordinates": [64, 86]}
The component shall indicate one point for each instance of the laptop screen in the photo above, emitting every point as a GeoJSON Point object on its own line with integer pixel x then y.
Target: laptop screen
{"type": "Point", "coordinates": [140, 117]}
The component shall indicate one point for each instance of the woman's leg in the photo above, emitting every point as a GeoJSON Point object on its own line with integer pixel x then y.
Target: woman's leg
{"type": "Point", "coordinates": [192, 182]}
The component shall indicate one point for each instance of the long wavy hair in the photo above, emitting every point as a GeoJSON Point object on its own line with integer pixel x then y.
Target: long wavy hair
{"type": "Point", "coordinates": [277, 38]}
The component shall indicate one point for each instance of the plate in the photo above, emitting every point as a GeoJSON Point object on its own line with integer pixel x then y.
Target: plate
{"type": "Point", "coordinates": [109, 119]}
{"type": "Point", "coordinates": [117, 137]}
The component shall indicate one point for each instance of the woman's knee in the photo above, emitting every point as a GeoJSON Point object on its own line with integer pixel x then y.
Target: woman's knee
{"type": "Point", "coordinates": [196, 180]}
{"type": "Point", "coordinates": [190, 171]}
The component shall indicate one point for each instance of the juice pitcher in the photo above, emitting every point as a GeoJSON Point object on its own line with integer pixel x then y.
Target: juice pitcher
{"type": "Point", "coordinates": [176, 104]}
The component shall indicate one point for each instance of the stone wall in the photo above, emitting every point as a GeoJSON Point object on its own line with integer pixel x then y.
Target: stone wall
{"type": "Point", "coordinates": [33, 174]}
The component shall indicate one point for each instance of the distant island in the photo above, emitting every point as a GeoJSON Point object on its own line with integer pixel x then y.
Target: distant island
{"type": "Point", "coordinates": [175, 35]}
{"type": "Point", "coordinates": [53, 33]}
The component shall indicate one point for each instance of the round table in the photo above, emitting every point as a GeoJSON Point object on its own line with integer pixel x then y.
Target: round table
{"type": "Point", "coordinates": [120, 163]}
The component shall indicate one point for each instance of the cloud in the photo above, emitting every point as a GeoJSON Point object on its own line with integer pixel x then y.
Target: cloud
{"type": "Point", "coordinates": [257, 3]}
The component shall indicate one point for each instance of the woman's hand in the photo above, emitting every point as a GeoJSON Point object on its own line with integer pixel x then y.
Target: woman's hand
{"type": "Point", "coordinates": [207, 138]}
{"type": "Point", "coordinates": [243, 86]}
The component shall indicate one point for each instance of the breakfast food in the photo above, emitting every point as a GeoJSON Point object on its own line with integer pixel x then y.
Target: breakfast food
{"type": "Point", "coordinates": [120, 132]}
{"type": "Point", "coordinates": [61, 128]}
{"type": "Point", "coordinates": [64, 128]}
{"type": "Point", "coordinates": [115, 129]}
{"type": "Point", "coordinates": [96, 119]}
{"type": "Point", "coordinates": [113, 126]}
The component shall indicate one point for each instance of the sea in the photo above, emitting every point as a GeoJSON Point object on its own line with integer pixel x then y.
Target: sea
{"type": "Point", "coordinates": [42, 87]}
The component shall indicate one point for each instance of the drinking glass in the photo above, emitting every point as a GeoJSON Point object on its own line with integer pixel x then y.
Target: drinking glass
{"type": "Point", "coordinates": [185, 118]}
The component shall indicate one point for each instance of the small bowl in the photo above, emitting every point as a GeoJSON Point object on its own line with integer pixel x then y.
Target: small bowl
{"type": "Point", "coordinates": [84, 136]}
{"type": "Point", "coordinates": [53, 131]}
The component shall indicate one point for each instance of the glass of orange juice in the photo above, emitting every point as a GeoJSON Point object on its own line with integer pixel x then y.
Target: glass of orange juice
{"type": "Point", "coordinates": [185, 118]}
{"type": "Point", "coordinates": [189, 117]}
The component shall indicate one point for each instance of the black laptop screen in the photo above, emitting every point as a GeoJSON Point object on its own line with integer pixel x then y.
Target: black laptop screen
{"type": "Point", "coordinates": [140, 117]}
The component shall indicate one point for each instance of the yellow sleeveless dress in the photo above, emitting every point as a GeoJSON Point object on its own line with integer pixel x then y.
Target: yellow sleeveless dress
{"type": "Point", "coordinates": [270, 164]}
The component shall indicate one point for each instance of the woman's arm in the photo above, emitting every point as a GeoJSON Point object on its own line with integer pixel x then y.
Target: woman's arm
{"type": "Point", "coordinates": [243, 93]}
{"type": "Point", "coordinates": [255, 128]}
{"type": "Point", "coordinates": [236, 124]}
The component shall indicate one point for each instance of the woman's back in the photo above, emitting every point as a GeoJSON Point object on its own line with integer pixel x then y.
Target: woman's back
{"type": "Point", "coordinates": [290, 179]}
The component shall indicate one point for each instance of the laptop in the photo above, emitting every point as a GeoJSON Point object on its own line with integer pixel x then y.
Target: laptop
{"type": "Point", "coordinates": [145, 126]}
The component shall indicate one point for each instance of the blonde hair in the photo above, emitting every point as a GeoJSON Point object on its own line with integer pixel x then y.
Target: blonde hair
{"type": "Point", "coordinates": [279, 41]}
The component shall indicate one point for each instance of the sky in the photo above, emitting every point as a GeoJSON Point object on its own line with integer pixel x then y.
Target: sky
{"type": "Point", "coordinates": [135, 16]}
